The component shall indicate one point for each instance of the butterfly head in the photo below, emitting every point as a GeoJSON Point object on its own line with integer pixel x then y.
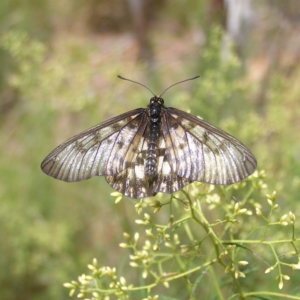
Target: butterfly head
{"type": "Point", "coordinates": [157, 100]}
{"type": "Point", "coordinates": [155, 106]}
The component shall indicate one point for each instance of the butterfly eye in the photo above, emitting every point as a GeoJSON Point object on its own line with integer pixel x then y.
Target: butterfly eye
{"type": "Point", "coordinates": [161, 101]}
{"type": "Point", "coordinates": [153, 100]}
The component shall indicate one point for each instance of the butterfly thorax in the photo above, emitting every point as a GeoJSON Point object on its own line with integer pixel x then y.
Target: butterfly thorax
{"type": "Point", "coordinates": [154, 120]}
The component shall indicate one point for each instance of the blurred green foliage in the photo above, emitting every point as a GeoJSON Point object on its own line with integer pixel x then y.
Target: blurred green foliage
{"type": "Point", "coordinates": [59, 85]}
{"type": "Point", "coordinates": [215, 235]}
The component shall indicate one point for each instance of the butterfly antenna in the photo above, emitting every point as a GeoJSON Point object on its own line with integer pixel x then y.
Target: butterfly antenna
{"type": "Point", "coordinates": [121, 77]}
{"type": "Point", "coordinates": [178, 83]}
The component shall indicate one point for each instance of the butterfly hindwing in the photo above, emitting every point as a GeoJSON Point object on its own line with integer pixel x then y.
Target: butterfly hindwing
{"type": "Point", "coordinates": [131, 181]}
{"type": "Point", "coordinates": [168, 180]}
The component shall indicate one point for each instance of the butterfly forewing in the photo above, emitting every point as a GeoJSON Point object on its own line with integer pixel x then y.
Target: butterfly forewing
{"type": "Point", "coordinates": [88, 154]}
{"type": "Point", "coordinates": [217, 157]}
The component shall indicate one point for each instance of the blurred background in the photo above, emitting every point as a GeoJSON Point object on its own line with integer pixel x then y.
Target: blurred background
{"type": "Point", "coordinates": [59, 61]}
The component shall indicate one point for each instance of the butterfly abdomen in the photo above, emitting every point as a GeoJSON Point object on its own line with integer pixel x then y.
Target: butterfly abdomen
{"type": "Point", "coordinates": [154, 120]}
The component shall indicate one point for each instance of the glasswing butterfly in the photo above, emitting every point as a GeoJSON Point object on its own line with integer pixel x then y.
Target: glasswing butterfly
{"type": "Point", "coordinates": [150, 150]}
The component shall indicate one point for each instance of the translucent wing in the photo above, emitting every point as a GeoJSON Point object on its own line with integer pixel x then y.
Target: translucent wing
{"type": "Point", "coordinates": [198, 151]}
{"type": "Point", "coordinates": [105, 149]}
{"type": "Point", "coordinates": [189, 150]}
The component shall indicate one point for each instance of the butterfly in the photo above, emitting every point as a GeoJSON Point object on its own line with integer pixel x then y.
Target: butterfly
{"type": "Point", "coordinates": [149, 150]}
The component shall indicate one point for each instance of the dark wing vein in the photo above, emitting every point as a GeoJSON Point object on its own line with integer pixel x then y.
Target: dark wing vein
{"type": "Point", "coordinates": [88, 153]}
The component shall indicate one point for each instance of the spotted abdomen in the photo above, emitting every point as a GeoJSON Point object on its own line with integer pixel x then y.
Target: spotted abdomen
{"type": "Point", "coordinates": [152, 155]}
{"type": "Point", "coordinates": [154, 120]}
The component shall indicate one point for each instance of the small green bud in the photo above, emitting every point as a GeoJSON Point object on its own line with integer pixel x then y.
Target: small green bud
{"type": "Point", "coordinates": [269, 270]}
{"type": "Point", "coordinates": [285, 277]}
{"type": "Point", "coordinates": [292, 217]}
